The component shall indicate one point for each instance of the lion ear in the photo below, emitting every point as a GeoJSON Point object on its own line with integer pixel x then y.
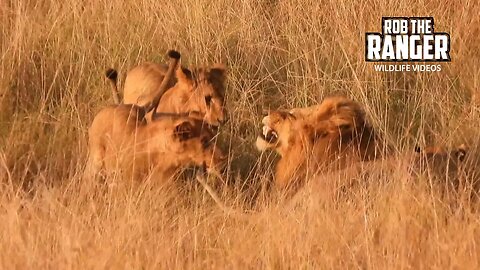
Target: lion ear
{"type": "Point", "coordinates": [184, 131]}
{"type": "Point", "coordinates": [338, 124]}
{"type": "Point", "coordinates": [461, 152]}
{"type": "Point", "coordinates": [340, 128]}
{"type": "Point", "coordinates": [313, 133]}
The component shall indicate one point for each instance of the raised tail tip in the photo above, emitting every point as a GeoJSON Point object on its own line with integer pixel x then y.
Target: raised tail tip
{"type": "Point", "coordinates": [173, 54]}
{"type": "Point", "coordinates": [111, 74]}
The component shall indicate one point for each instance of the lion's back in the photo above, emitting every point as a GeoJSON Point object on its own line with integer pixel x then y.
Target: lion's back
{"type": "Point", "coordinates": [142, 81]}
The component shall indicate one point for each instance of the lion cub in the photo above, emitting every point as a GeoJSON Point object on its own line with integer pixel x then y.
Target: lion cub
{"type": "Point", "coordinates": [198, 90]}
{"type": "Point", "coordinates": [121, 140]}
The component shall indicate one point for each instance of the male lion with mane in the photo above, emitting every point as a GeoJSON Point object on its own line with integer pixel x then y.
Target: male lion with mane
{"type": "Point", "coordinates": [334, 137]}
{"type": "Point", "coordinates": [319, 138]}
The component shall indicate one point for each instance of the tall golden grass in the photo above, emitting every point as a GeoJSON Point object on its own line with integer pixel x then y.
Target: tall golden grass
{"type": "Point", "coordinates": [280, 54]}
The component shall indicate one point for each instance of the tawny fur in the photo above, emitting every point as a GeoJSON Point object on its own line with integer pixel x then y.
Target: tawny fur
{"type": "Point", "coordinates": [198, 90]}
{"type": "Point", "coordinates": [121, 140]}
{"type": "Point", "coordinates": [127, 144]}
{"type": "Point", "coordinates": [448, 168]}
{"type": "Point", "coordinates": [439, 161]}
{"type": "Point", "coordinates": [112, 76]}
{"type": "Point", "coordinates": [325, 137]}
{"type": "Point", "coordinates": [333, 137]}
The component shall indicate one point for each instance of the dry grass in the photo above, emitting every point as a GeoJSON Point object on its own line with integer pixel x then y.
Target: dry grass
{"type": "Point", "coordinates": [280, 54]}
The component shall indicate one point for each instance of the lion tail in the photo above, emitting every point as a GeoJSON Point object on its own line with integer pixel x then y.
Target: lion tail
{"type": "Point", "coordinates": [112, 76]}
{"type": "Point", "coordinates": [174, 59]}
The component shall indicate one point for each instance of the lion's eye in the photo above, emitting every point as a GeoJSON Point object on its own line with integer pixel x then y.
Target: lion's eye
{"type": "Point", "coordinates": [208, 100]}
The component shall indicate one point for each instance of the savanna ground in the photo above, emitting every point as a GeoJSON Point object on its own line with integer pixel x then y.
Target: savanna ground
{"type": "Point", "coordinates": [280, 54]}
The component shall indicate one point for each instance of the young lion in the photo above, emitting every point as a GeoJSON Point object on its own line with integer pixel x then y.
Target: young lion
{"type": "Point", "coordinates": [120, 138]}
{"type": "Point", "coordinates": [199, 90]}
{"type": "Point", "coordinates": [438, 161]}
{"type": "Point", "coordinates": [446, 167]}
{"type": "Point", "coordinates": [161, 147]}
{"type": "Point", "coordinates": [324, 137]}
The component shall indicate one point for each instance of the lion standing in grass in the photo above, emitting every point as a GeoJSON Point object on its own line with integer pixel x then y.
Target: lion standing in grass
{"type": "Point", "coordinates": [120, 140]}
{"type": "Point", "coordinates": [198, 90]}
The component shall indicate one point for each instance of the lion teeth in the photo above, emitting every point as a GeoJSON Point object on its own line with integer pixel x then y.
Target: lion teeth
{"type": "Point", "coordinates": [266, 130]}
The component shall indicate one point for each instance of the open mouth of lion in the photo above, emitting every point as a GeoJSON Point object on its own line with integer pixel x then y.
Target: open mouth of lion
{"type": "Point", "coordinates": [269, 134]}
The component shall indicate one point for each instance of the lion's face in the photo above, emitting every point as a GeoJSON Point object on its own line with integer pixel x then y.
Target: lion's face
{"type": "Point", "coordinates": [195, 143]}
{"type": "Point", "coordinates": [451, 168]}
{"type": "Point", "coordinates": [334, 122]}
{"type": "Point", "coordinates": [276, 130]}
{"type": "Point", "coordinates": [207, 87]}
{"type": "Point", "coordinates": [438, 157]}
